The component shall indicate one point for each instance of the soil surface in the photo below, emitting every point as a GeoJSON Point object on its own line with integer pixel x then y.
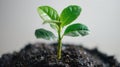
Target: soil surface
{"type": "Point", "coordinates": [43, 55]}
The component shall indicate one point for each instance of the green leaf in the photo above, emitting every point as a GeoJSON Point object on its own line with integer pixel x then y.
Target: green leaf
{"type": "Point", "coordinates": [51, 21]}
{"type": "Point", "coordinates": [69, 14]}
{"type": "Point", "coordinates": [75, 30]}
{"type": "Point", "coordinates": [49, 14]}
{"type": "Point", "coordinates": [53, 24]}
{"type": "Point", "coordinates": [45, 34]}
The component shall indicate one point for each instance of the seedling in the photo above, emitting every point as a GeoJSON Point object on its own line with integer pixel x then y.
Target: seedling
{"type": "Point", "coordinates": [67, 16]}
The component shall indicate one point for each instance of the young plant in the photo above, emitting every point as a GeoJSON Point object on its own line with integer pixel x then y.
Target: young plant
{"type": "Point", "coordinates": [68, 15]}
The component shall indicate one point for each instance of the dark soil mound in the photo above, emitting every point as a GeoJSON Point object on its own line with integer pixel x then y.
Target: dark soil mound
{"type": "Point", "coordinates": [41, 55]}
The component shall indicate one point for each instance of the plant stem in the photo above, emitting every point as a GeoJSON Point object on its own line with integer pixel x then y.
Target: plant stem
{"type": "Point", "coordinates": [59, 43]}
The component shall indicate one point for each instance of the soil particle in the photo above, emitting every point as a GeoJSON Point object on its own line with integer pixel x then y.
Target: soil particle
{"type": "Point", "coordinates": [43, 55]}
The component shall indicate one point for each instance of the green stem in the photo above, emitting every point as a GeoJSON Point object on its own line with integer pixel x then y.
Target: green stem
{"type": "Point", "coordinates": [59, 43]}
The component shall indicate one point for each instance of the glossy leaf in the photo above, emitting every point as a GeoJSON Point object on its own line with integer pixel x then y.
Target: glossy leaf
{"type": "Point", "coordinates": [69, 14]}
{"type": "Point", "coordinates": [51, 21]}
{"type": "Point", "coordinates": [45, 34]}
{"type": "Point", "coordinates": [75, 30]}
{"type": "Point", "coordinates": [48, 14]}
{"type": "Point", "coordinates": [53, 24]}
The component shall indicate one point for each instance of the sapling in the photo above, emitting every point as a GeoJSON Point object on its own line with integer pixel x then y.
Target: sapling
{"type": "Point", "coordinates": [58, 22]}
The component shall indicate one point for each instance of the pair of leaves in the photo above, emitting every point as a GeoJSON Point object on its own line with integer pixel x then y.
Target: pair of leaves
{"type": "Point", "coordinates": [72, 30]}
{"type": "Point", "coordinates": [67, 16]}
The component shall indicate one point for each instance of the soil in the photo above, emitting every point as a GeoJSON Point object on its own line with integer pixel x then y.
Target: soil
{"type": "Point", "coordinates": [44, 55]}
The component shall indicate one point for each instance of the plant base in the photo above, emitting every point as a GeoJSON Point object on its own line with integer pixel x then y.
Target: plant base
{"type": "Point", "coordinates": [42, 55]}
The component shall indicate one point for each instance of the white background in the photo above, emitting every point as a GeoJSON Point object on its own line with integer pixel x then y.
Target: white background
{"type": "Point", "coordinates": [19, 19]}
